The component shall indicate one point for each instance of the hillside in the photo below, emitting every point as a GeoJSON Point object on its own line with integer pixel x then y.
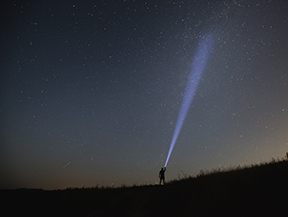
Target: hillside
{"type": "Point", "coordinates": [256, 191]}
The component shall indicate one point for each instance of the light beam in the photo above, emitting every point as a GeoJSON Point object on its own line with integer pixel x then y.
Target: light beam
{"type": "Point", "coordinates": [194, 77]}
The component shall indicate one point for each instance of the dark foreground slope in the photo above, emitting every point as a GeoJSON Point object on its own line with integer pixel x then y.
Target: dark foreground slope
{"type": "Point", "coordinates": [256, 191]}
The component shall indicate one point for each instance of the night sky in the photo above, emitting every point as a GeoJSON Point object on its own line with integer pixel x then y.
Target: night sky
{"type": "Point", "coordinates": [91, 90]}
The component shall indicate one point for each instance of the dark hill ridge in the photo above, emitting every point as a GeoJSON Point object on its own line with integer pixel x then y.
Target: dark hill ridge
{"type": "Point", "coordinates": [256, 191]}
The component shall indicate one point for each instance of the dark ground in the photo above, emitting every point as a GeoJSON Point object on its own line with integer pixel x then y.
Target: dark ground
{"type": "Point", "coordinates": [254, 191]}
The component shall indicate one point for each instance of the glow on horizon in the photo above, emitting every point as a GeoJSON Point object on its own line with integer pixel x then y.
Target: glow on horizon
{"type": "Point", "coordinates": [194, 77]}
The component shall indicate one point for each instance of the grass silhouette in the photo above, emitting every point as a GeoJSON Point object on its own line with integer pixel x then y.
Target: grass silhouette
{"type": "Point", "coordinates": [257, 190]}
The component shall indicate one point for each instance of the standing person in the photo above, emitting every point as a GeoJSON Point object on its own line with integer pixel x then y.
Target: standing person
{"type": "Point", "coordinates": [161, 175]}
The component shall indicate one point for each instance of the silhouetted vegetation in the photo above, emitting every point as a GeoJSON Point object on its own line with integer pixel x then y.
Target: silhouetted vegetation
{"type": "Point", "coordinates": [258, 190]}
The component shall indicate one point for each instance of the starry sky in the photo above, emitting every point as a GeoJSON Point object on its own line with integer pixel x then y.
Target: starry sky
{"type": "Point", "coordinates": [91, 90]}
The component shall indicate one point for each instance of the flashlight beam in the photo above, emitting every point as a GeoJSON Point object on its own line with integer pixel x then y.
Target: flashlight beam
{"type": "Point", "coordinates": [194, 77]}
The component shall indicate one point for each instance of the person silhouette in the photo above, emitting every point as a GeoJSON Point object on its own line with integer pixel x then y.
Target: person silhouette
{"type": "Point", "coordinates": [161, 175]}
